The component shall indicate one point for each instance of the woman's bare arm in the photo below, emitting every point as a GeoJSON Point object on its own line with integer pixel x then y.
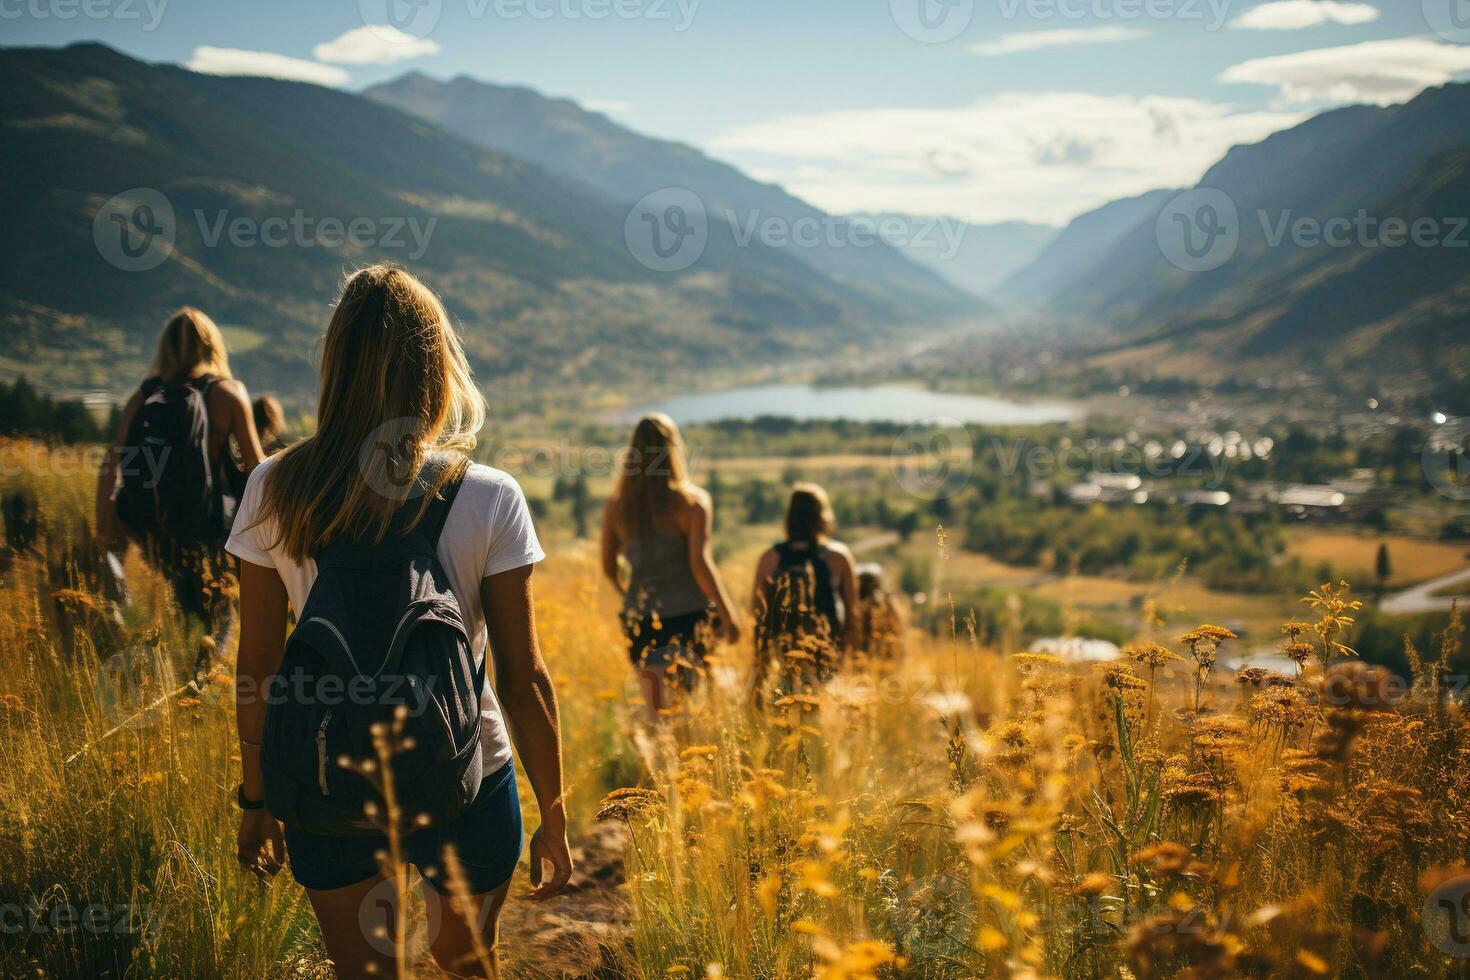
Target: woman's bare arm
{"type": "Point", "coordinates": [263, 606]}
{"type": "Point", "coordinates": [700, 517]}
{"type": "Point", "coordinates": [108, 529]}
{"type": "Point", "coordinates": [524, 689]}
{"type": "Point", "coordinates": [611, 545]}
{"type": "Point", "coordinates": [764, 570]}
{"type": "Point", "coordinates": [847, 582]}
{"type": "Point", "coordinates": [241, 418]}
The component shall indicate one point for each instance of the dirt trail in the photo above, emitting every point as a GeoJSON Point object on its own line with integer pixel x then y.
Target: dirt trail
{"type": "Point", "coordinates": [577, 933]}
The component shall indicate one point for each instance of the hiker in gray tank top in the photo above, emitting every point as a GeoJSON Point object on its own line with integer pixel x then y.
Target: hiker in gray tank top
{"type": "Point", "coordinates": [660, 579]}
{"type": "Point", "coordinates": [657, 526]}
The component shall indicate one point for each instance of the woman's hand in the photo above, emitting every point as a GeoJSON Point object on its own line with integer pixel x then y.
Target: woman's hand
{"type": "Point", "coordinates": [549, 845]}
{"type": "Point", "coordinates": [731, 629]}
{"type": "Point", "coordinates": [109, 526]}
{"type": "Point", "coordinates": [261, 844]}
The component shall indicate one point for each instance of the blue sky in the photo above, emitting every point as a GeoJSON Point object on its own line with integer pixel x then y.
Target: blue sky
{"type": "Point", "coordinates": [987, 109]}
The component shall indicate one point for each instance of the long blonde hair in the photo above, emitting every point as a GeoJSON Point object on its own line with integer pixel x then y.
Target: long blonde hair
{"type": "Point", "coordinates": [654, 475]}
{"type": "Point", "coordinates": [395, 387]}
{"type": "Point", "coordinates": [190, 345]}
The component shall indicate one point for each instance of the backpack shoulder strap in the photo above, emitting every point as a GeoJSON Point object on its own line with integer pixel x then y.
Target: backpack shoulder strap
{"type": "Point", "coordinates": [821, 569]}
{"type": "Point", "coordinates": [438, 513]}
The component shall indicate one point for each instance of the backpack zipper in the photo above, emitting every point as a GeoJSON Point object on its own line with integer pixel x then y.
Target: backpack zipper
{"type": "Point", "coordinates": [321, 753]}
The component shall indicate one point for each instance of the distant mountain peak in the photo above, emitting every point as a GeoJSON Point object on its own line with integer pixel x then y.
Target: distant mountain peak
{"type": "Point", "coordinates": [589, 147]}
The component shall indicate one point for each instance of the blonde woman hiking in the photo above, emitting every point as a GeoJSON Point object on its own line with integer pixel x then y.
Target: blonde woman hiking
{"type": "Point", "coordinates": [674, 600]}
{"type": "Point", "coordinates": [375, 728]}
{"type": "Point", "coordinates": [171, 481]}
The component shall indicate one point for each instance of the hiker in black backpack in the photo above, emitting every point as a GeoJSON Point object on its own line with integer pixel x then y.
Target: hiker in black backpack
{"type": "Point", "coordinates": [171, 483]}
{"type": "Point", "coordinates": [372, 740]}
{"type": "Point", "coordinates": [805, 591]}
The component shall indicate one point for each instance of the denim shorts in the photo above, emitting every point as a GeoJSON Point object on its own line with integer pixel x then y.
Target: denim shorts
{"type": "Point", "coordinates": [655, 647]}
{"type": "Point", "coordinates": [486, 838]}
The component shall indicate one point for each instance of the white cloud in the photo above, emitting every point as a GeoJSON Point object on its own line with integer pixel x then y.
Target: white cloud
{"type": "Point", "coordinates": [1376, 72]}
{"type": "Point", "coordinates": [610, 107]}
{"type": "Point", "coordinates": [374, 45]}
{"type": "Point", "coordinates": [1042, 157]}
{"type": "Point", "coordinates": [1035, 40]}
{"type": "Point", "coordinates": [1294, 15]}
{"type": "Point", "coordinates": [236, 61]}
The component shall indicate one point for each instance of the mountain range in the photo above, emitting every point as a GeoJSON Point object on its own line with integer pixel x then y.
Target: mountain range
{"type": "Point", "coordinates": [562, 136]}
{"type": "Point", "coordinates": [524, 212]}
{"type": "Point", "coordinates": [255, 180]}
{"type": "Point", "coordinates": [1320, 271]}
{"type": "Point", "coordinates": [624, 166]}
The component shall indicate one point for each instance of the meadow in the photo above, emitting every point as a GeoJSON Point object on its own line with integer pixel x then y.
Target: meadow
{"type": "Point", "coordinates": [960, 811]}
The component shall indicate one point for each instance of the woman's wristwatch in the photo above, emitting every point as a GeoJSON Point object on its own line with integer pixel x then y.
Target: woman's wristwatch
{"type": "Point", "coordinates": [245, 803]}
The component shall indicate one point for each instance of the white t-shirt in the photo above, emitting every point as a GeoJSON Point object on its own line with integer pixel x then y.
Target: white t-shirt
{"type": "Point", "coordinates": [489, 531]}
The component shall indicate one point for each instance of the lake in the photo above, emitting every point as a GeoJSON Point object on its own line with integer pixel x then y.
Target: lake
{"type": "Point", "coordinates": [877, 403]}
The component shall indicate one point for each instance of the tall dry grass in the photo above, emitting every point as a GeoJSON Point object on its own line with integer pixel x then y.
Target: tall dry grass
{"type": "Point", "coordinates": [959, 813]}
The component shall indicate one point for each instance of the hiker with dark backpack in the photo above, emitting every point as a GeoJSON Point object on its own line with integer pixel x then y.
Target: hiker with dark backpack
{"type": "Point", "coordinates": [170, 483]}
{"type": "Point", "coordinates": [372, 739]}
{"type": "Point", "coordinates": [805, 591]}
